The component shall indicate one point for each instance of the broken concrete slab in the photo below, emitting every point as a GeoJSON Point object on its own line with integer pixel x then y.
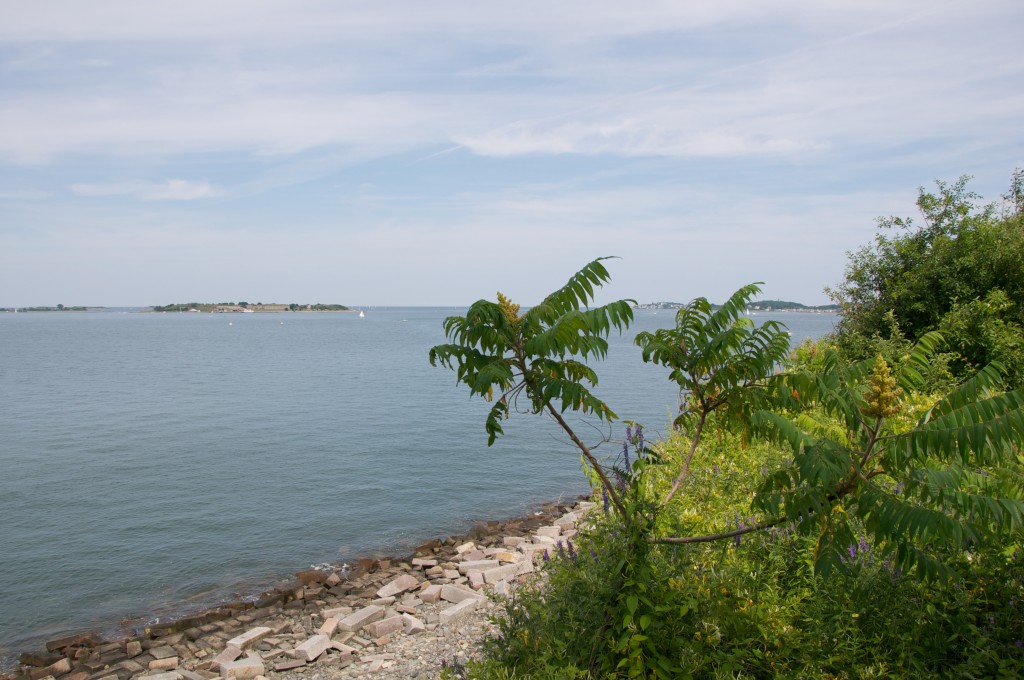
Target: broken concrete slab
{"type": "Point", "coordinates": [361, 617]}
{"type": "Point", "coordinates": [243, 669]}
{"type": "Point", "coordinates": [250, 637]}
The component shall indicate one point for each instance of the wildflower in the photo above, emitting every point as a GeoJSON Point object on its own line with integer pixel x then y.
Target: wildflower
{"type": "Point", "coordinates": [625, 452]}
{"type": "Point", "coordinates": [639, 439]}
{"type": "Point", "coordinates": [561, 549]}
{"type": "Point", "coordinates": [604, 499]}
{"type": "Point", "coordinates": [572, 550]}
{"type": "Point", "coordinates": [547, 557]}
{"type": "Point", "coordinates": [593, 554]}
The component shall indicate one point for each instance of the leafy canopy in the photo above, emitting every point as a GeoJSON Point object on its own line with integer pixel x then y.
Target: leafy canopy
{"type": "Point", "coordinates": [958, 271]}
{"type": "Point", "coordinates": [922, 487]}
{"type": "Point", "coordinates": [503, 354]}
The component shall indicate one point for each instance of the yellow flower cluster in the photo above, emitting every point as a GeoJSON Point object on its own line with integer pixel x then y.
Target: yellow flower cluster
{"type": "Point", "coordinates": [509, 308]}
{"type": "Point", "coordinates": [883, 396]}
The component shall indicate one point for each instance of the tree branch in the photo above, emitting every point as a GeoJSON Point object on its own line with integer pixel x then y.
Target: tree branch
{"type": "Point", "coordinates": [710, 538]}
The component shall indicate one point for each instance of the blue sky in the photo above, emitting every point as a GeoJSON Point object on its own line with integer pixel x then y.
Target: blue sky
{"type": "Point", "coordinates": [389, 153]}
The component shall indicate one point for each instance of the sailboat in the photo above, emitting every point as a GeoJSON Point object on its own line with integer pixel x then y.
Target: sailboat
{"type": "Point", "coordinates": [361, 315]}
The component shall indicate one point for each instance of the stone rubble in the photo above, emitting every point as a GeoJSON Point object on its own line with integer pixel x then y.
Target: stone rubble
{"type": "Point", "coordinates": [386, 618]}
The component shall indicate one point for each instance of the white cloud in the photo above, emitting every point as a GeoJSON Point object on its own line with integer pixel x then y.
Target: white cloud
{"type": "Point", "coordinates": [168, 190]}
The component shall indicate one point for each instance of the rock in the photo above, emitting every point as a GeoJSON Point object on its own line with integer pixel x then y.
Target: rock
{"type": "Point", "coordinates": [476, 579]}
{"type": "Point", "coordinates": [165, 664]}
{"type": "Point", "coordinates": [399, 585]}
{"type": "Point", "coordinates": [329, 626]}
{"type": "Point", "coordinates": [513, 541]}
{"type": "Point", "coordinates": [458, 610]}
{"type": "Point", "coordinates": [360, 618]}
{"type": "Point", "coordinates": [385, 626]}
{"type": "Point", "coordinates": [86, 640]}
{"type": "Point", "coordinates": [133, 648]}
{"type": "Point", "coordinates": [243, 669]}
{"type": "Point", "coordinates": [456, 593]}
{"type": "Point", "coordinates": [249, 637]}
{"type": "Point", "coordinates": [227, 656]}
{"type": "Point", "coordinates": [501, 573]}
{"type": "Point", "coordinates": [38, 660]}
{"type": "Point", "coordinates": [465, 547]}
{"type": "Point", "coordinates": [311, 576]}
{"type": "Point", "coordinates": [288, 665]}
{"type": "Point", "coordinates": [412, 624]}
{"type": "Point", "coordinates": [312, 648]}
{"type": "Point", "coordinates": [421, 562]}
{"type": "Point", "coordinates": [431, 594]}
{"type": "Point", "coordinates": [477, 565]}
{"type": "Point", "coordinates": [172, 675]}
{"type": "Point", "coordinates": [550, 531]}
{"type": "Point", "coordinates": [569, 519]}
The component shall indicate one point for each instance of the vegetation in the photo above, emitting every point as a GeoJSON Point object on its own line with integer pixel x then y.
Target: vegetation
{"type": "Point", "coordinates": [958, 272]}
{"type": "Point", "coordinates": [767, 305]}
{"type": "Point", "coordinates": [886, 522]}
{"type": "Point", "coordinates": [254, 306]}
{"type": "Point", "coordinates": [58, 308]}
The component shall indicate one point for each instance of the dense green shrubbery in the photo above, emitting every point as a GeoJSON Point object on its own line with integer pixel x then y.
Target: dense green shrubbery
{"type": "Point", "coordinates": [829, 520]}
{"type": "Point", "coordinates": [752, 606]}
{"type": "Point", "coordinates": [958, 271]}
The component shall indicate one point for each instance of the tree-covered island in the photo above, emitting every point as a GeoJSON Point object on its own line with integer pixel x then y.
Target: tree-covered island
{"type": "Point", "coordinates": [229, 307]}
{"type": "Point", "coordinates": [58, 308]}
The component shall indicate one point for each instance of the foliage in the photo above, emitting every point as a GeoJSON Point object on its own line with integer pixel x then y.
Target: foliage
{"type": "Point", "coordinates": [856, 475]}
{"type": "Point", "coordinates": [502, 354]}
{"type": "Point", "coordinates": [753, 606]}
{"type": "Point", "coordinates": [947, 481]}
{"type": "Point", "coordinates": [717, 357]}
{"type": "Point", "coordinates": [962, 264]}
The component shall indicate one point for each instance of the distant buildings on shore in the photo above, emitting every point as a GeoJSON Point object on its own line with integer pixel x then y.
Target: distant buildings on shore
{"type": "Point", "coordinates": [762, 306]}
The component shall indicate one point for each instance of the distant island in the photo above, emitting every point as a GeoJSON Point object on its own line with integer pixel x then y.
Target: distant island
{"type": "Point", "coordinates": [243, 307]}
{"type": "Point", "coordinates": [58, 308]}
{"type": "Point", "coordinates": [759, 306]}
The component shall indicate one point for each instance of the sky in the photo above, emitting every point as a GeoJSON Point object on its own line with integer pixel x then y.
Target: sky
{"type": "Point", "coordinates": [414, 153]}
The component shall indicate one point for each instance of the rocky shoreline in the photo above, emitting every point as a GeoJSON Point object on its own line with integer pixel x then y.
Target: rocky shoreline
{"type": "Point", "coordinates": [385, 618]}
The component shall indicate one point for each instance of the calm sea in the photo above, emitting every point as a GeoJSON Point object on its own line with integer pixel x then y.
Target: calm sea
{"type": "Point", "coordinates": [152, 464]}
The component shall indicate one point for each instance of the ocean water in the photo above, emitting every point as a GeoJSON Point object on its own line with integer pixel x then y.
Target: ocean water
{"type": "Point", "coordinates": [154, 464]}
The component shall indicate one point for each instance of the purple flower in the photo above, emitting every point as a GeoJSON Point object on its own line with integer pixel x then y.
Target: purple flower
{"type": "Point", "coordinates": [639, 439]}
{"type": "Point", "coordinates": [715, 469]}
{"type": "Point", "coordinates": [625, 452]}
{"type": "Point", "coordinates": [593, 554]}
{"type": "Point", "coordinates": [547, 557]}
{"type": "Point", "coordinates": [604, 499]}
